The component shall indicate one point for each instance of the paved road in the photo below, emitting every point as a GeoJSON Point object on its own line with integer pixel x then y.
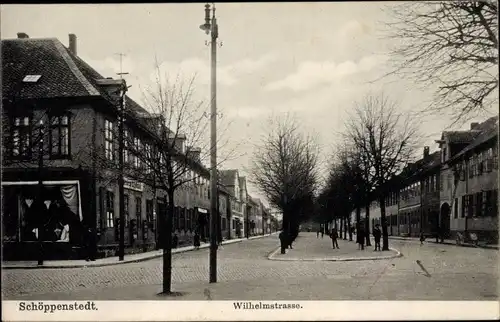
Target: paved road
{"type": "Point", "coordinates": [454, 273]}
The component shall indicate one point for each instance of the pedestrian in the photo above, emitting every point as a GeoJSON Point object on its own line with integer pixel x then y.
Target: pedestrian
{"type": "Point", "coordinates": [334, 235]}
{"type": "Point", "coordinates": [175, 241]}
{"type": "Point", "coordinates": [283, 237]}
{"type": "Point", "coordinates": [361, 238]}
{"type": "Point", "coordinates": [322, 232]}
{"type": "Point", "coordinates": [422, 237]}
{"type": "Point", "coordinates": [91, 244]}
{"type": "Point", "coordinates": [196, 241]}
{"type": "Point", "coordinates": [377, 234]}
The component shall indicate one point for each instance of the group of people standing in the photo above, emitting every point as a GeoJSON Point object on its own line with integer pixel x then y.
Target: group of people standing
{"type": "Point", "coordinates": [361, 237]}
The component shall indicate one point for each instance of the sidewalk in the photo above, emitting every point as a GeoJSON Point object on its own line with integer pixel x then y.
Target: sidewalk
{"type": "Point", "coordinates": [107, 261]}
{"type": "Point", "coordinates": [446, 242]}
{"type": "Point", "coordinates": [310, 248]}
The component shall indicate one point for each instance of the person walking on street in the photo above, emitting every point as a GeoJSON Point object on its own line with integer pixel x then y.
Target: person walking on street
{"type": "Point", "coordinates": [422, 237]}
{"type": "Point", "coordinates": [196, 241]}
{"type": "Point", "coordinates": [377, 234]}
{"type": "Point", "coordinates": [91, 244]}
{"type": "Point", "coordinates": [334, 235]}
{"type": "Point", "coordinates": [322, 232]}
{"type": "Point", "coordinates": [283, 237]}
{"type": "Point", "coordinates": [361, 238]}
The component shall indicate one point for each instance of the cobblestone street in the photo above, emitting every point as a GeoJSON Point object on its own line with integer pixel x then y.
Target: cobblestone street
{"type": "Point", "coordinates": [244, 272]}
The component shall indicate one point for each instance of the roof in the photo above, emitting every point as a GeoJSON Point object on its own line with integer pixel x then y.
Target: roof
{"type": "Point", "coordinates": [63, 74]}
{"type": "Point", "coordinates": [60, 75]}
{"type": "Point", "coordinates": [456, 137]}
{"type": "Point", "coordinates": [488, 131]}
{"type": "Point", "coordinates": [227, 177]}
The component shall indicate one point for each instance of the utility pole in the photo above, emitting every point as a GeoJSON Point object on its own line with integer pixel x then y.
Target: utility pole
{"type": "Point", "coordinates": [210, 27]}
{"type": "Point", "coordinates": [121, 146]}
{"type": "Point", "coordinates": [40, 195]}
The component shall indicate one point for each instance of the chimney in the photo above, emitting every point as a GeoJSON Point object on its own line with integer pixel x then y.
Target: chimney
{"type": "Point", "coordinates": [22, 35]}
{"type": "Point", "coordinates": [72, 43]}
{"type": "Point", "coordinates": [194, 153]}
{"type": "Point", "coordinates": [474, 125]}
{"type": "Point", "coordinates": [426, 152]}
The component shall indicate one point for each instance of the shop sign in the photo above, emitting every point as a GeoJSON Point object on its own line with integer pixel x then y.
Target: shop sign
{"type": "Point", "coordinates": [133, 185]}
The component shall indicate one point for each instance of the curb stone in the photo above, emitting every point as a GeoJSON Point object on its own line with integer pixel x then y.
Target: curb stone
{"type": "Point", "coordinates": [334, 259]}
{"type": "Point", "coordinates": [137, 260]}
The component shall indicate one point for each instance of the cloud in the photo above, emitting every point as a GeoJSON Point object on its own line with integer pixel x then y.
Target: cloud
{"type": "Point", "coordinates": [353, 29]}
{"type": "Point", "coordinates": [110, 66]}
{"type": "Point", "coordinates": [312, 74]}
{"type": "Point", "coordinates": [248, 66]}
{"type": "Point", "coordinates": [249, 112]}
{"type": "Point", "coordinates": [227, 75]}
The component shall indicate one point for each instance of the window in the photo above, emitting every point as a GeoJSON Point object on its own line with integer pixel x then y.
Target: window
{"type": "Point", "coordinates": [137, 148]}
{"type": "Point", "coordinates": [441, 183]}
{"type": "Point", "coordinates": [126, 146]}
{"type": "Point", "coordinates": [188, 219]}
{"type": "Point", "coordinates": [31, 78]}
{"type": "Point", "coordinates": [59, 136]}
{"type": "Point", "coordinates": [455, 209]}
{"type": "Point", "coordinates": [109, 140]}
{"type": "Point", "coordinates": [175, 218]}
{"type": "Point", "coordinates": [149, 210]}
{"type": "Point", "coordinates": [138, 208]}
{"type": "Point", "coordinates": [126, 209]}
{"type": "Point", "coordinates": [182, 218]}
{"type": "Point", "coordinates": [21, 136]}
{"type": "Point", "coordinates": [467, 206]}
{"type": "Point", "coordinates": [149, 155]}
{"type": "Point", "coordinates": [478, 204]}
{"type": "Point", "coordinates": [480, 164]}
{"type": "Point", "coordinates": [110, 209]}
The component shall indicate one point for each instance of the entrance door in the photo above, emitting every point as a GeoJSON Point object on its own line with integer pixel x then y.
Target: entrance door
{"type": "Point", "coordinates": [445, 219]}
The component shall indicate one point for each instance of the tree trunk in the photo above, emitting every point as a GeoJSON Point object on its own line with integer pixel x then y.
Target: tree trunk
{"type": "Point", "coordinates": [167, 243]}
{"type": "Point", "coordinates": [349, 227]}
{"type": "Point", "coordinates": [345, 228]}
{"type": "Point", "coordinates": [367, 224]}
{"type": "Point", "coordinates": [385, 236]}
{"type": "Point", "coordinates": [340, 228]}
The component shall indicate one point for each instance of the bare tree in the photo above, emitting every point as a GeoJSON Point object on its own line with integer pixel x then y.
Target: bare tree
{"type": "Point", "coordinates": [285, 170]}
{"type": "Point", "coordinates": [387, 141]}
{"type": "Point", "coordinates": [452, 45]}
{"type": "Point", "coordinates": [174, 161]}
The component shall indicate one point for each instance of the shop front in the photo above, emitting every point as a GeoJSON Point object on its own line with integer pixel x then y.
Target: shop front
{"type": "Point", "coordinates": [50, 214]}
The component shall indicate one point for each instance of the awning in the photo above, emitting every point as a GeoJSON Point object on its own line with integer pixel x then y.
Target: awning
{"type": "Point", "coordinates": [203, 211]}
{"type": "Point", "coordinates": [70, 195]}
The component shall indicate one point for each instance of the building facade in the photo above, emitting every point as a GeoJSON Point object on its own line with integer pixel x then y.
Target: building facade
{"type": "Point", "coordinates": [60, 155]}
{"type": "Point", "coordinates": [469, 194]}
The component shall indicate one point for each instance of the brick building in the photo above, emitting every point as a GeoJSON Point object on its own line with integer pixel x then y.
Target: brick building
{"type": "Point", "coordinates": [60, 121]}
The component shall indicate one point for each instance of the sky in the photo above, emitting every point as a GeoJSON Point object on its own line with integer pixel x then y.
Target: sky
{"type": "Point", "coordinates": [314, 60]}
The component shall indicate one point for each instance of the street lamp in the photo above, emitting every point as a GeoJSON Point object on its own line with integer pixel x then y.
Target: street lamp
{"type": "Point", "coordinates": [210, 27]}
{"type": "Point", "coordinates": [40, 194]}
{"type": "Point", "coordinates": [121, 179]}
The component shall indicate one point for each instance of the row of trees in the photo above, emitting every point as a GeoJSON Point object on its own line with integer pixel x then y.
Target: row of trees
{"type": "Point", "coordinates": [377, 144]}
{"type": "Point", "coordinates": [449, 47]}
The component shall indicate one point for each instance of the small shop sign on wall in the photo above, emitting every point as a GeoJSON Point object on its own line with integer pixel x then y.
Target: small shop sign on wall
{"type": "Point", "coordinates": [133, 185]}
